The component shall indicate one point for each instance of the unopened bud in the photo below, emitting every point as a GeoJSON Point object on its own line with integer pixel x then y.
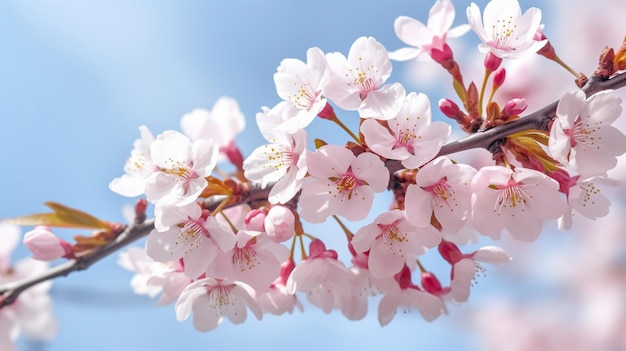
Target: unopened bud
{"type": "Point", "coordinates": [255, 220]}
{"type": "Point", "coordinates": [514, 107]}
{"type": "Point", "coordinates": [443, 56]}
{"type": "Point", "coordinates": [498, 78]}
{"type": "Point", "coordinates": [449, 108]}
{"type": "Point", "coordinates": [430, 283]}
{"type": "Point", "coordinates": [46, 246]}
{"type": "Point", "coordinates": [279, 224]}
{"type": "Point", "coordinates": [233, 153]}
{"type": "Point", "coordinates": [492, 62]}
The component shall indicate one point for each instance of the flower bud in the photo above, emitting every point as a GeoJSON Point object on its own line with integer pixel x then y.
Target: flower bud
{"type": "Point", "coordinates": [255, 220]}
{"type": "Point", "coordinates": [327, 112]}
{"type": "Point", "coordinates": [279, 223]}
{"type": "Point", "coordinates": [492, 62]}
{"type": "Point", "coordinates": [442, 57]}
{"type": "Point", "coordinates": [498, 78]}
{"type": "Point", "coordinates": [514, 107]}
{"type": "Point", "coordinates": [449, 108]}
{"type": "Point", "coordinates": [430, 283]}
{"type": "Point", "coordinates": [45, 245]}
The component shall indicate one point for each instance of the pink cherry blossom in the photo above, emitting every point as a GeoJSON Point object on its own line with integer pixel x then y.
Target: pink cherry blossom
{"type": "Point", "coordinates": [465, 266]}
{"type": "Point", "coordinates": [402, 293]}
{"type": "Point", "coordinates": [517, 200]}
{"type": "Point", "coordinates": [153, 278]}
{"type": "Point", "coordinates": [255, 260]}
{"type": "Point", "coordinates": [341, 184]}
{"type": "Point", "coordinates": [221, 125]}
{"type": "Point", "coordinates": [424, 38]}
{"type": "Point", "coordinates": [138, 167]}
{"type": "Point", "coordinates": [277, 300]}
{"type": "Point", "coordinates": [283, 161]}
{"type": "Point", "coordinates": [321, 276]}
{"type": "Point", "coordinates": [582, 135]}
{"type": "Point", "coordinates": [182, 168]}
{"type": "Point", "coordinates": [392, 241]}
{"type": "Point", "coordinates": [213, 299]}
{"type": "Point", "coordinates": [506, 32]}
{"type": "Point", "coordinates": [195, 237]}
{"type": "Point", "coordinates": [443, 189]}
{"type": "Point", "coordinates": [31, 314]}
{"type": "Point", "coordinates": [357, 82]}
{"type": "Point", "coordinates": [410, 137]}
{"type": "Point", "coordinates": [301, 85]}
{"type": "Point", "coordinates": [45, 245]}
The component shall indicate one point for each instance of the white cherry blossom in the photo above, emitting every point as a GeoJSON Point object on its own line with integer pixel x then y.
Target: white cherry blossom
{"type": "Point", "coordinates": [301, 84]}
{"type": "Point", "coordinates": [283, 161]}
{"type": "Point", "coordinates": [582, 135]}
{"type": "Point", "coordinates": [424, 38]}
{"type": "Point", "coordinates": [192, 235]}
{"type": "Point", "coordinates": [138, 167]}
{"type": "Point", "coordinates": [505, 31]}
{"type": "Point", "coordinates": [182, 168]}
{"type": "Point", "coordinates": [213, 299]}
{"type": "Point", "coordinates": [357, 82]}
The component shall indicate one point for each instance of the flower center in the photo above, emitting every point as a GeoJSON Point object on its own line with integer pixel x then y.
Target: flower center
{"type": "Point", "coordinates": [305, 96]}
{"type": "Point", "coordinates": [191, 234]}
{"type": "Point", "coordinates": [502, 33]}
{"type": "Point", "coordinates": [393, 237]}
{"type": "Point", "coordinates": [442, 193]}
{"type": "Point", "coordinates": [280, 157]}
{"type": "Point", "coordinates": [582, 133]}
{"type": "Point", "coordinates": [245, 258]}
{"type": "Point", "coordinates": [364, 79]}
{"type": "Point", "coordinates": [511, 196]}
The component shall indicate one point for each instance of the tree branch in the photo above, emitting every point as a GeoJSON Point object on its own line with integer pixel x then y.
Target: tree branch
{"type": "Point", "coordinates": [252, 193]}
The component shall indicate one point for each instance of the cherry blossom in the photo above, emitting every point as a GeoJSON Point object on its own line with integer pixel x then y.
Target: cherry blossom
{"type": "Point", "coordinates": [341, 184]}
{"type": "Point", "coordinates": [138, 167]}
{"type": "Point", "coordinates": [410, 136]}
{"type": "Point", "coordinates": [506, 32]}
{"type": "Point", "coordinates": [442, 188]}
{"type": "Point", "coordinates": [357, 82]}
{"type": "Point", "coordinates": [31, 315]}
{"type": "Point", "coordinates": [221, 124]}
{"type": "Point", "coordinates": [153, 278]}
{"type": "Point", "coordinates": [518, 200]}
{"type": "Point", "coordinates": [213, 299]}
{"type": "Point", "coordinates": [465, 266]}
{"type": "Point", "coordinates": [402, 293]}
{"type": "Point", "coordinates": [192, 235]}
{"type": "Point", "coordinates": [277, 300]}
{"type": "Point", "coordinates": [255, 260]}
{"type": "Point", "coordinates": [582, 135]}
{"type": "Point", "coordinates": [283, 161]}
{"type": "Point", "coordinates": [183, 167]}
{"type": "Point", "coordinates": [301, 84]}
{"type": "Point", "coordinates": [321, 276]}
{"type": "Point", "coordinates": [424, 38]}
{"type": "Point", "coordinates": [391, 241]}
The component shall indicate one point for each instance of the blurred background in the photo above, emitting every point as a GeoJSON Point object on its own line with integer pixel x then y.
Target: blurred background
{"type": "Point", "coordinates": [77, 78]}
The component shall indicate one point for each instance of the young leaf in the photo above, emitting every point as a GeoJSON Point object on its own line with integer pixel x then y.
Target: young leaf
{"type": "Point", "coordinates": [62, 216]}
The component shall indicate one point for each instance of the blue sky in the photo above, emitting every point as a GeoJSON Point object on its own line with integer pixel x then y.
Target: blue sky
{"type": "Point", "coordinates": [76, 80]}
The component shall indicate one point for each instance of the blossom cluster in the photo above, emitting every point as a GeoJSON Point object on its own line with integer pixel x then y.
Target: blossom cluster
{"type": "Point", "coordinates": [222, 261]}
{"type": "Point", "coordinates": [214, 252]}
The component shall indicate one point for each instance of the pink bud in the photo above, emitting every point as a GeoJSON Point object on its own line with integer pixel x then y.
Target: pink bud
{"type": "Point", "coordinates": [45, 245]}
{"type": "Point", "coordinates": [498, 77]}
{"type": "Point", "coordinates": [442, 56]}
{"type": "Point", "coordinates": [449, 108]}
{"type": "Point", "coordinates": [255, 220]}
{"type": "Point", "coordinates": [430, 283]}
{"type": "Point", "coordinates": [492, 62]}
{"type": "Point", "coordinates": [450, 252]}
{"type": "Point", "coordinates": [279, 224]}
{"type": "Point", "coordinates": [514, 107]}
{"type": "Point", "coordinates": [233, 153]}
{"type": "Point", "coordinates": [327, 112]}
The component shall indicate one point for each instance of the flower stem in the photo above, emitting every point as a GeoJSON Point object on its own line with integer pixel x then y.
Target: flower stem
{"type": "Point", "coordinates": [345, 229]}
{"type": "Point", "coordinates": [344, 127]}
